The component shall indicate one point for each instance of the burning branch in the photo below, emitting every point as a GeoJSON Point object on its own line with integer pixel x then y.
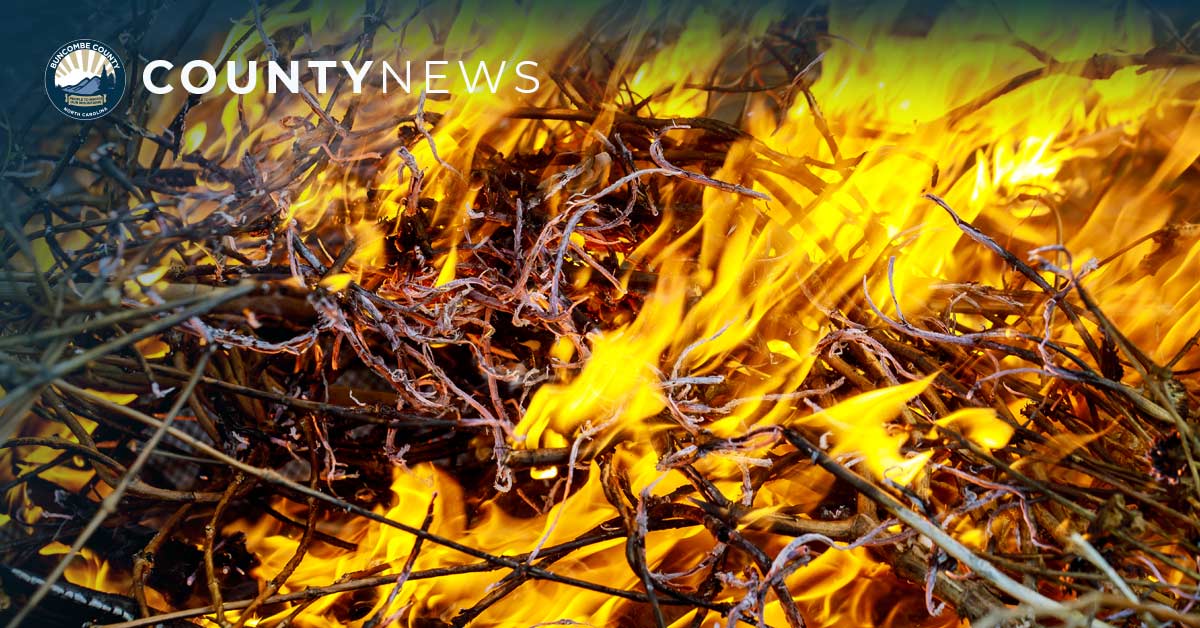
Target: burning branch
{"type": "Point", "coordinates": [348, 356]}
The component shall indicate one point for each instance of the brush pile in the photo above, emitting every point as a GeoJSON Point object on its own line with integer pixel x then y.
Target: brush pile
{"type": "Point", "coordinates": [579, 357]}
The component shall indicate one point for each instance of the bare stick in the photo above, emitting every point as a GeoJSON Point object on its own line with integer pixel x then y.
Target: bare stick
{"type": "Point", "coordinates": [109, 504]}
{"type": "Point", "coordinates": [939, 537]}
{"type": "Point", "coordinates": [273, 477]}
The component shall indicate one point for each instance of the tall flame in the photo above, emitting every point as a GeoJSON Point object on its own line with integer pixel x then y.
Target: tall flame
{"type": "Point", "coordinates": [745, 297]}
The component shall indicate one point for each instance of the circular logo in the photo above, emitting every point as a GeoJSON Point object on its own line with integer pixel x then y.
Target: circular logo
{"type": "Point", "coordinates": [85, 79]}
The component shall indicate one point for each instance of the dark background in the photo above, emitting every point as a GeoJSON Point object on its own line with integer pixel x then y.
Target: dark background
{"type": "Point", "coordinates": [30, 31]}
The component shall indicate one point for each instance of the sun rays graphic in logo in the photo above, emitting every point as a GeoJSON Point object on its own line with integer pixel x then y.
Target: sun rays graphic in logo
{"type": "Point", "coordinates": [85, 79]}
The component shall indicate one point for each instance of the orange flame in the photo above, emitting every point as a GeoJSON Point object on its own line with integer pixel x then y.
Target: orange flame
{"type": "Point", "coordinates": [724, 341]}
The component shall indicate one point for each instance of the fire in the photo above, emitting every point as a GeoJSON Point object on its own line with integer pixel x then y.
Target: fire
{"type": "Point", "coordinates": [745, 292]}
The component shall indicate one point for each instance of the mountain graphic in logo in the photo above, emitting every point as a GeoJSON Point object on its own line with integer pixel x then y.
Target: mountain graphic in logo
{"type": "Point", "coordinates": [87, 86]}
{"type": "Point", "coordinates": [85, 79]}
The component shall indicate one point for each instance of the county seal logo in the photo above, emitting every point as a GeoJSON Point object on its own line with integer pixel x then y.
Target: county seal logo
{"type": "Point", "coordinates": [85, 79]}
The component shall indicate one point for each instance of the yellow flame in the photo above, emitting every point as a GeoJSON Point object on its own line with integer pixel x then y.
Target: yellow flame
{"type": "Point", "coordinates": [744, 296]}
{"type": "Point", "coordinates": [979, 425]}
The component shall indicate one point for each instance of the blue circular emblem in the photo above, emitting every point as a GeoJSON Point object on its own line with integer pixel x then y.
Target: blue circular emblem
{"type": "Point", "coordinates": [85, 79]}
